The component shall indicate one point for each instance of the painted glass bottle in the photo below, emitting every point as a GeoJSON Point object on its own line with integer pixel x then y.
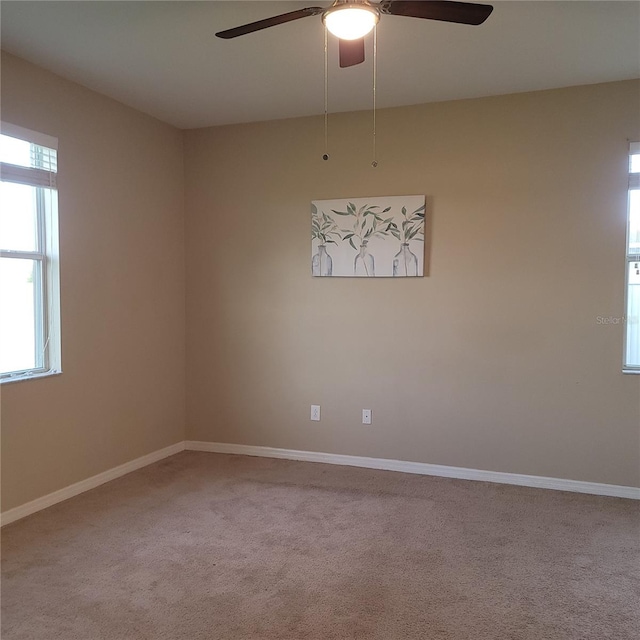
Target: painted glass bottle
{"type": "Point", "coordinates": [364, 264]}
{"type": "Point", "coordinates": [405, 263]}
{"type": "Point", "coordinates": [322, 263]}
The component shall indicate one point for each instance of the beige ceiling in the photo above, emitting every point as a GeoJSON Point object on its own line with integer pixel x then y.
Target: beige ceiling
{"type": "Point", "coordinates": [163, 58]}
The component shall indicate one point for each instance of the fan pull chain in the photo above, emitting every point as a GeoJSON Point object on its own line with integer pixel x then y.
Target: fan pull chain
{"type": "Point", "coordinates": [325, 155]}
{"type": "Point", "coordinates": [374, 164]}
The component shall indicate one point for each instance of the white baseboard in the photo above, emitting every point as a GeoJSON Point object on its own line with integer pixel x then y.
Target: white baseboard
{"type": "Point", "coordinates": [90, 483]}
{"type": "Point", "coordinates": [422, 468]}
{"type": "Point", "coordinates": [419, 468]}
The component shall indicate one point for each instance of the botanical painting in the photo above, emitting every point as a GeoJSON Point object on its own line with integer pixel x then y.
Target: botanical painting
{"type": "Point", "coordinates": [368, 237]}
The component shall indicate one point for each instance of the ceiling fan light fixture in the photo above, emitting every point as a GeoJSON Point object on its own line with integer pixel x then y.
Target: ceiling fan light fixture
{"type": "Point", "coordinates": [350, 22]}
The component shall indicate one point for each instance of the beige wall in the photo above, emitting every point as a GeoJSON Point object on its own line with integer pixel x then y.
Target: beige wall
{"type": "Point", "coordinates": [122, 278]}
{"type": "Point", "coordinates": [496, 361]}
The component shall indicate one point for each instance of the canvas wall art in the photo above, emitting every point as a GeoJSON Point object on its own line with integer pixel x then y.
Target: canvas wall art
{"type": "Point", "coordinates": [368, 237]}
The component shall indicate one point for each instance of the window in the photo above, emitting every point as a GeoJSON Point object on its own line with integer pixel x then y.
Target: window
{"type": "Point", "coordinates": [29, 272]}
{"type": "Point", "coordinates": [632, 341]}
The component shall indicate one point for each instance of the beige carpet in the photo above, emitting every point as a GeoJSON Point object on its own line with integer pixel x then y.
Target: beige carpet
{"type": "Point", "coordinates": [234, 548]}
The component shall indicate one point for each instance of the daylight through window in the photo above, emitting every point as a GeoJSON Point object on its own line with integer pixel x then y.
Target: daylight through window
{"type": "Point", "coordinates": [632, 346]}
{"type": "Point", "coordinates": [29, 280]}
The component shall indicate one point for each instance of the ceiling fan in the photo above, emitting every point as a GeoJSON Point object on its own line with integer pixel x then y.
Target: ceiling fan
{"type": "Point", "coordinates": [351, 20]}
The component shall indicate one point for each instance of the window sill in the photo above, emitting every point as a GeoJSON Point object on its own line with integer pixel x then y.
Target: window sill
{"type": "Point", "coordinates": [631, 371]}
{"type": "Point", "coordinates": [30, 376]}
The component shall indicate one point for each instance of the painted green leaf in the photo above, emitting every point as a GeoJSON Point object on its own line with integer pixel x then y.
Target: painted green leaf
{"type": "Point", "coordinates": [386, 210]}
{"type": "Point", "coordinates": [353, 245]}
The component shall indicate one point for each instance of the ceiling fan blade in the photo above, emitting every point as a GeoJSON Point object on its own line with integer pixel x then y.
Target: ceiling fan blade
{"type": "Point", "coordinates": [351, 52]}
{"type": "Point", "coordinates": [269, 22]}
{"type": "Point", "coordinates": [461, 12]}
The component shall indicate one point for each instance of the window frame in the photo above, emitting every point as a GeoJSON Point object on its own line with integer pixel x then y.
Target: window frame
{"type": "Point", "coordinates": [633, 185]}
{"type": "Point", "coordinates": [45, 256]}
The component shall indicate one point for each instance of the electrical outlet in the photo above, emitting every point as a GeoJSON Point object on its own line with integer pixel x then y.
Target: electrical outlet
{"type": "Point", "coordinates": [315, 412]}
{"type": "Point", "coordinates": [366, 416]}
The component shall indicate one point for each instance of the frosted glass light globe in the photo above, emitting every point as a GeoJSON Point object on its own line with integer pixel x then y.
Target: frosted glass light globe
{"type": "Point", "coordinates": [350, 23]}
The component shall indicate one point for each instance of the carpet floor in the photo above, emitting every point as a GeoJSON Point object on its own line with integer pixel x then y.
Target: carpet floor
{"type": "Point", "coordinates": [218, 547]}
